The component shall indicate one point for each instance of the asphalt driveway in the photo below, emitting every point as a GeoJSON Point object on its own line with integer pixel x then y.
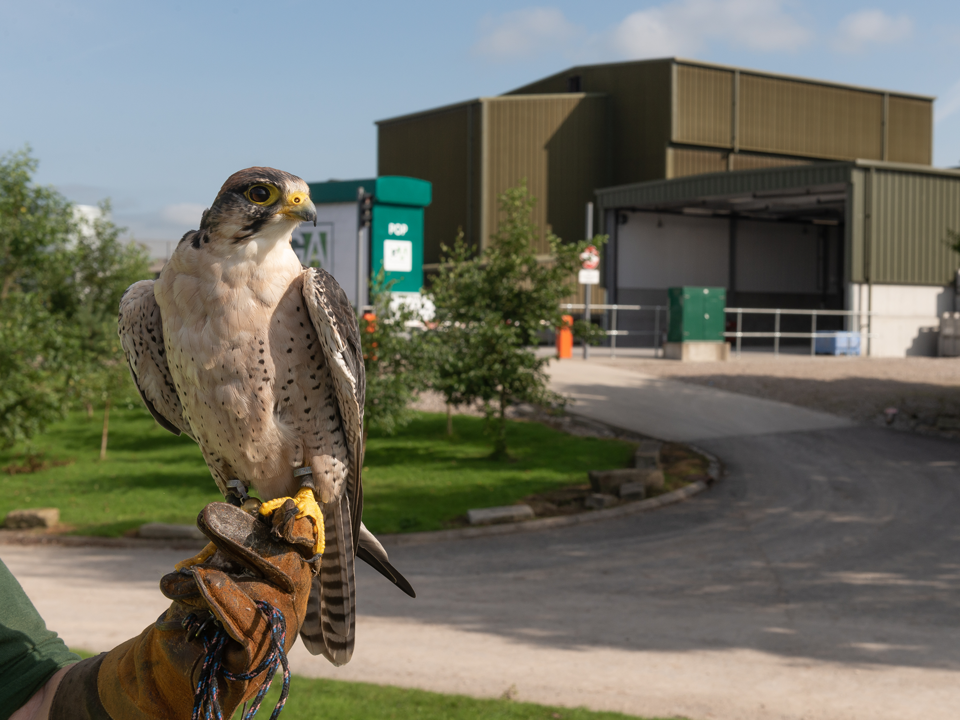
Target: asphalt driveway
{"type": "Point", "coordinates": [819, 579]}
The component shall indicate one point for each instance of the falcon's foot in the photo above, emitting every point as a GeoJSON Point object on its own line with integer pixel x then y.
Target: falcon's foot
{"type": "Point", "coordinates": [199, 558]}
{"type": "Point", "coordinates": [307, 506]}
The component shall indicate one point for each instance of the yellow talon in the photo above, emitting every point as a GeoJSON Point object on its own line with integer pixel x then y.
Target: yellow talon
{"type": "Point", "coordinates": [307, 507]}
{"type": "Point", "coordinates": [199, 558]}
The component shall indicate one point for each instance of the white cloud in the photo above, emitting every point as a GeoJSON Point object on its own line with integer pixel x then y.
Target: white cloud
{"type": "Point", "coordinates": [183, 214]}
{"type": "Point", "coordinates": [684, 27]}
{"type": "Point", "coordinates": [524, 33]}
{"type": "Point", "coordinates": [867, 27]}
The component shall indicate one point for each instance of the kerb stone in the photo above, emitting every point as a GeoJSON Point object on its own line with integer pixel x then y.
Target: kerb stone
{"type": "Point", "coordinates": [633, 491]}
{"type": "Point", "coordinates": [506, 513]}
{"type": "Point", "coordinates": [32, 518]}
{"type": "Point", "coordinates": [598, 501]}
{"type": "Point", "coordinates": [647, 455]}
{"type": "Point", "coordinates": [609, 481]}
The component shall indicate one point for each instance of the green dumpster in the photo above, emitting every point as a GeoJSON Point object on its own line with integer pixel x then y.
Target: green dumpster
{"type": "Point", "coordinates": [696, 314]}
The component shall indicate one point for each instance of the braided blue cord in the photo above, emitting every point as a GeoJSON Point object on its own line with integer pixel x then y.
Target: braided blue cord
{"type": "Point", "coordinates": [206, 696]}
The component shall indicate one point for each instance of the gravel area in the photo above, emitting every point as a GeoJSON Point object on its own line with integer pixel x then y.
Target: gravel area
{"type": "Point", "coordinates": [919, 394]}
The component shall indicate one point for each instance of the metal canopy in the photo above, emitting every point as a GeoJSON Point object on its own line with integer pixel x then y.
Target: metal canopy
{"type": "Point", "coordinates": [811, 193]}
{"type": "Point", "coordinates": [815, 204]}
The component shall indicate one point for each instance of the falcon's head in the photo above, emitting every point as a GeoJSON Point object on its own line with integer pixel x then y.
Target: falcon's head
{"type": "Point", "coordinates": [258, 203]}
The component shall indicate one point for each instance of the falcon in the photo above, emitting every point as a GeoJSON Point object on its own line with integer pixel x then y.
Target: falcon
{"type": "Point", "coordinates": [258, 360]}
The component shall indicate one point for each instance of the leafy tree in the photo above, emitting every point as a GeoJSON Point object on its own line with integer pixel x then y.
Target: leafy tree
{"type": "Point", "coordinates": [491, 309]}
{"type": "Point", "coordinates": [395, 357]}
{"type": "Point", "coordinates": [953, 240]}
{"type": "Point", "coordinates": [61, 279]}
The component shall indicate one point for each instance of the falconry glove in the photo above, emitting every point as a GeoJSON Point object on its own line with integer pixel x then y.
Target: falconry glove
{"type": "Point", "coordinates": [220, 641]}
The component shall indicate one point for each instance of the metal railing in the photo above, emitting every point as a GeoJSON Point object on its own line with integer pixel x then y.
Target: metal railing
{"type": "Point", "coordinates": [777, 313]}
{"type": "Point", "coordinates": [613, 332]}
{"type": "Point", "coordinates": [862, 325]}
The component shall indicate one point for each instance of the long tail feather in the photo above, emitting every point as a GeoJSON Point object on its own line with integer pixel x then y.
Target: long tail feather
{"type": "Point", "coordinates": [371, 552]}
{"type": "Point", "coordinates": [330, 626]}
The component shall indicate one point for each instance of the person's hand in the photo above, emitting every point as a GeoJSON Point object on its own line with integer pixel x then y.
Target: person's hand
{"type": "Point", "coordinates": [231, 622]}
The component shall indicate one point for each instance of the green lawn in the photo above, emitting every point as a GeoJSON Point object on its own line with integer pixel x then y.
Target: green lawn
{"type": "Point", "coordinates": [310, 699]}
{"type": "Point", "coordinates": [416, 480]}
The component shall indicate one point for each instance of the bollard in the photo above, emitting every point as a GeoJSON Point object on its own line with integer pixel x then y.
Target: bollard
{"type": "Point", "coordinates": [565, 339]}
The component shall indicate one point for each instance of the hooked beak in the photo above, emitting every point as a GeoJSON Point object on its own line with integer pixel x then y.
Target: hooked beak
{"type": "Point", "coordinates": [300, 207]}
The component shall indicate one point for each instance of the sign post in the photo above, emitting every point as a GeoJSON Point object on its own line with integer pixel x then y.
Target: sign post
{"type": "Point", "coordinates": [589, 274]}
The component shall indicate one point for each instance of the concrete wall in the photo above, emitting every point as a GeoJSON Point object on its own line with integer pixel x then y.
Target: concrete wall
{"type": "Point", "coordinates": [908, 317]}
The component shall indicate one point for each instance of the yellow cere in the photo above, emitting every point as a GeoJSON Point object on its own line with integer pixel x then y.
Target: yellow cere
{"type": "Point", "coordinates": [298, 198]}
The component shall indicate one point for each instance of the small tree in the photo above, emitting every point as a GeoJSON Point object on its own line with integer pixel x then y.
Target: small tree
{"type": "Point", "coordinates": [491, 309]}
{"type": "Point", "coordinates": [394, 358]}
{"type": "Point", "coordinates": [60, 285]}
{"type": "Point", "coordinates": [953, 240]}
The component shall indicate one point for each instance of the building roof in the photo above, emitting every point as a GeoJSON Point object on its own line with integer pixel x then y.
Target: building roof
{"type": "Point", "coordinates": [718, 66]}
{"type": "Point", "coordinates": [722, 192]}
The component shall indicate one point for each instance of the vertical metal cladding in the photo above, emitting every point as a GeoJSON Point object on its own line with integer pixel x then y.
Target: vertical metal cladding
{"type": "Point", "coordinates": [556, 143]}
{"type": "Point", "coordinates": [640, 114]}
{"type": "Point", "coordinates": [441, 146]}
{"type": "Point", "coordinates": [758, 162]}
{"type": "Point", "coordinates": [704, 106]}
{"type": "Point", "coordinates": [910, 138]}
{"type": "Point", "coordinates": [794, 117]}
{"type": "Point", "coordinates": [912, 213]}
{"type": "Point", "coordinates": [682, 162]}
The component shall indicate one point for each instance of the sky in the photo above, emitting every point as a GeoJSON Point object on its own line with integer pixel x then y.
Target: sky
{"type": "Point", "coordinates": [154, 105]}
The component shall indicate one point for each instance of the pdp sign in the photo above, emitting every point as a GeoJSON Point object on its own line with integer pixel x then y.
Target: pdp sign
{"type": "Point", "coordinates": [396, 231]}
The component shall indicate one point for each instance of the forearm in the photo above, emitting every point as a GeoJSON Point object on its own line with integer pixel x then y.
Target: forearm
{"type": "Point", "coordinates": [38, 706]}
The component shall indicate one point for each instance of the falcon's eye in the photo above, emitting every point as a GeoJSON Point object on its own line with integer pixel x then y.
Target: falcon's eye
{"type": "Point", "coordinates": [262, 194]}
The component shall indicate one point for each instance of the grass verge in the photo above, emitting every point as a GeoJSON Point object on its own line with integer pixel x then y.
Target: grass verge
{"type": "Point", "coordinates": [416, 480]}
{"type": "Point", "coordinates": [359, 701]}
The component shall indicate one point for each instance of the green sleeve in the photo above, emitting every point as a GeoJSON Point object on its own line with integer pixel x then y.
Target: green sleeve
{"type": "Point", "coordinates": [29, 653]}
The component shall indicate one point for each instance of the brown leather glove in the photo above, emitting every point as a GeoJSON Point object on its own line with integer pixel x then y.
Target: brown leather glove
{"type": "Point", "coordinates": [217, 645]}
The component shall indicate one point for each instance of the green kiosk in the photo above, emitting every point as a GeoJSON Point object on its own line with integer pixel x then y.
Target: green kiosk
{"type": "Point", "coordinates": [697, 323]}
{"type": "Point", "coordinates": [393, 216]}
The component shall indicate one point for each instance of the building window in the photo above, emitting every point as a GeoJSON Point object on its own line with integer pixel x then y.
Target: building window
{"type": "Point", "coordinates": [573, 83]}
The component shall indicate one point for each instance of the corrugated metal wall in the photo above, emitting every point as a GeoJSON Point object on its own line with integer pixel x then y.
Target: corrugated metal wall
{"type": "Point", "coordinates": [639, 113]}
{"type": "Point", "coordinates": [557, 143]}
{"type": "Point", "coordinates": [800, 118]}
{"type": "Point", "coordinates": [704, 106]}
{"type": "Point", "coordinates": [910, 138]}
{"type": "Point", "coordinates": [758, 162]}
{"type": "Point", "coordinates": [443, 147]}
{"type": "Point", "coordinates": [682, 162]}
{"type": "Point", "coordinates": [911, 215]}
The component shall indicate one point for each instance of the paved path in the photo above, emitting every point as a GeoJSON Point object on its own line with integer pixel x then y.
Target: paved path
{"type": "Point", "coordinates": [672, 410]}
{"type": "Point", "coordinates": [820, 580]}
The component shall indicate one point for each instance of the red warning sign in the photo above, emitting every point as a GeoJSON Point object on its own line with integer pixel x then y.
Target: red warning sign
{"type": "Point", "coordinates": [590, 258]}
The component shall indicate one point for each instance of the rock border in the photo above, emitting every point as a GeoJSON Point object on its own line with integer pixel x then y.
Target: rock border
{"type": "Point", "coordinates": [585, 425]}
{"type": "Point", "coordinates": [714, 472]}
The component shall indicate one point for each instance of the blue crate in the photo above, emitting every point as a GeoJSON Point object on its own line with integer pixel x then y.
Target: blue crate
{"type": "Point", "coordinates": [837, 342]}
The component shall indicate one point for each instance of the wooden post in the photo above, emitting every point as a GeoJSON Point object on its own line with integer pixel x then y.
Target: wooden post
{"type": "Point", "coordinates": [106, 429]}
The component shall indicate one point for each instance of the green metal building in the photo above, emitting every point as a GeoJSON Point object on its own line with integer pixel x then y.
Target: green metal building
{"type": "Point", "coordinates": [603, 125]}
{"type": "Point", "coordinates": [860, 235]}
{"type": "Point", "coordinates": [789, 192]}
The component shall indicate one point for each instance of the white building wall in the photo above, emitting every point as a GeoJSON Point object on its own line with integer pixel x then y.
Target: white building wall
{"type": "Point", "coordinates": [906, 319]}
{"type": "Point", "coordinates": [332, 244]}
{"type": "Point", "coordinates": [681, 251]}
